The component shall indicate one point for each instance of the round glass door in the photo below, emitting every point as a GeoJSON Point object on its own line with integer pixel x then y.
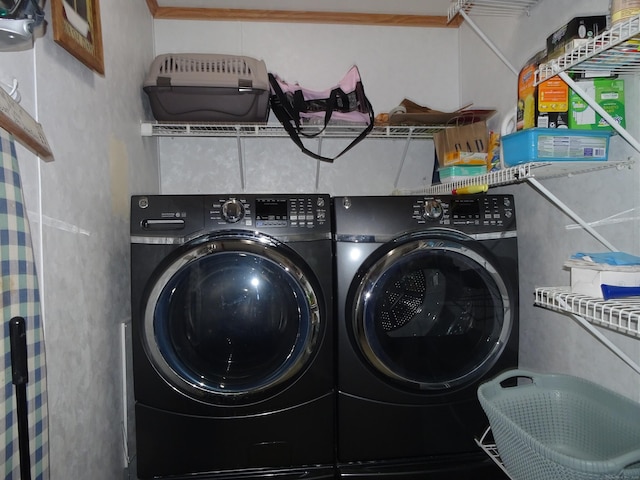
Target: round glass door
{"type": "Point", "coordinates": [430, 312]}
{"type": "Point", "coordinates": [232, 317]}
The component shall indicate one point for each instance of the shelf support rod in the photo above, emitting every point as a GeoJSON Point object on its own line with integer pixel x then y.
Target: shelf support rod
{"type": "Point", "coordinates": [608, 343]}
{"type": "Point", "coordinates": [318, 164]}
{"type": "Point", "coordinates": [240, 158]}
{"type": "Point", "coordinates": [562, 206]}
{"type": "Point", "coordinates": [488, 41]}
{"type": "Point", "coordinates": [404, 155]}
{"type": "Point", "coordinates": [601, 111]}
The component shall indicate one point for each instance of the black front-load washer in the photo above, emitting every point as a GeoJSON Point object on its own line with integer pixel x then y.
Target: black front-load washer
{"type": "Point", "coordinates": [232, 336]}
{"type": "Point", "coordinates": [427, 309]}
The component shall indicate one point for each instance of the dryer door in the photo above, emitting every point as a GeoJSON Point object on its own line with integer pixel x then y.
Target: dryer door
{"type": "Point", "coordinates": [430, 311]}
{"type": "Point", "coordinates": [232, 318]}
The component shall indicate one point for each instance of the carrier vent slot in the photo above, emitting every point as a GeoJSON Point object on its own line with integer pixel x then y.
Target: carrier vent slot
{"type": "Point", "coordinates": [229, 66]}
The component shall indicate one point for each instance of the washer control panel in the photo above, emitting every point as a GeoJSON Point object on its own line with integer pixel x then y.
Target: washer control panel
{"type": "Point", "coordinates": [185, 216]}
{"type": "Point", "coordinates": [269, 211]}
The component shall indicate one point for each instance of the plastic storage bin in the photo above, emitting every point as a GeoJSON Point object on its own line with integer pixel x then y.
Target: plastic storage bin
{"type": "Point", "coordinates": [554, 145]}
{"type": "Point", "coordinates": [559, 427]}
{"type": "Point", "coordinates": [208, 88]}
{"type": "Point", "coordinates": [453, 174]}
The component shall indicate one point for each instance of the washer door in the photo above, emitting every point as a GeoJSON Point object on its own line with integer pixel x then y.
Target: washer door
{"type": "Point", "coordinates": [232, 318]}
{"type": "Point", "coordinates": [430, 311]}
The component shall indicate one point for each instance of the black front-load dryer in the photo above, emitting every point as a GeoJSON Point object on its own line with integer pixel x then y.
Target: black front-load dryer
{"type": "Point", "coordinates": [427, 309]}
{"type": "Point", "coordinates": [232, 336]}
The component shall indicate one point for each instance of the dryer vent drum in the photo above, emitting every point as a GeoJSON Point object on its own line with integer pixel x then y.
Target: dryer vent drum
{"type": "Point", "coordinates": [407, 296]}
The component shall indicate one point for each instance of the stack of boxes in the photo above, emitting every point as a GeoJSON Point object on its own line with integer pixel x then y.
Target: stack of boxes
{"type": "Point", "coordinates": [462, 151]}
{"type": "Point", "coordinates": [581, 134]}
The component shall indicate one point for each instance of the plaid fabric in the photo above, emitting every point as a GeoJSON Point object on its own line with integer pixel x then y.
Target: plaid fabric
{"type": "Point", "coordinates": [20, 297]}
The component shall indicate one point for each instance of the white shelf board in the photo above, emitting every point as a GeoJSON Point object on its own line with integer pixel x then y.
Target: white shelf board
{"type": "Point", "coordinates": [620, 315]}
{"type": "Point", "coordinates": [517, 174]}
{"type": "Point", "coordinates": [178, 129]}
{"type": "Point", "coordinates": [497, 8]}
{"type": "Point", "coordinates": [616, 50]}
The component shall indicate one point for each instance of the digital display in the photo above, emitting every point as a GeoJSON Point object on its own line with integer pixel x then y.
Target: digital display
{"type": "Point", "coordinates": [465, 208]}
{"type": "Point", "coordinates": [271, 209]}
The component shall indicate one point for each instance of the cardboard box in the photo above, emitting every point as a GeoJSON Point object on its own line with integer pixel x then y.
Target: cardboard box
{"type": "Point", "coordinates": [472, 138]}
{"type": "Point", "coordinates": [578, 28]}
{"type": "Point", "coordinates": [465, 158]}
{"type": "Point", "coordinates": [545, 105]}
{"type": "Point", "coordinates": [553, 104]}
{"type": "Point", "coordinates": [609, 93]}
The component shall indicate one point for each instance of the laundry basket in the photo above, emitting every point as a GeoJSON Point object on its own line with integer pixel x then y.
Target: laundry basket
{"type": "Point", "coordinates": [559, 427]}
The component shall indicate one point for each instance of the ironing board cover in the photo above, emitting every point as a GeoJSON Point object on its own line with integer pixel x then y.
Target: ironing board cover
{"type": "Point", "coordinates": [20, 297]}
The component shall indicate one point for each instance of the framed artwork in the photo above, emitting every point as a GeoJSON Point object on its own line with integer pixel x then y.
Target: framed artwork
{"type": "Point", "coordinates": [76, 27]}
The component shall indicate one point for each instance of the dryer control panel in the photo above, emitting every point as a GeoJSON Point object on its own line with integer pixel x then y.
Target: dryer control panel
{"type": "Point", "coordinates": [480, 211]}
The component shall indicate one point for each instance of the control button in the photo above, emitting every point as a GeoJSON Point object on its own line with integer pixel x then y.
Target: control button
{"type": "Point", "coordinates": [432, 210]}
{"type": "Point", "coordinates": [232, 211]}
{"type": "Point", "coordinates": [320, 202]}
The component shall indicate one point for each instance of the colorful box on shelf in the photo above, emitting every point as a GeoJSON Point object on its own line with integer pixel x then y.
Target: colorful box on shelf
{"type": "Point", "coordinates": [465, 158]}
{"type": "Point", "coordinates": [580, 29]}
{"type": "Point", "coordinates": [554, 145]}
{"type": "Point", "coordinates": [608, 93]}
{"type": "Point", "coordinates": [460, 172]}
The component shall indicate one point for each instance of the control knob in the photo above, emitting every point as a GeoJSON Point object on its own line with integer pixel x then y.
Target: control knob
{"type": "Point", "coordinates": [432, 210]}
{"type": "Point", "coordinates": [232, 211]}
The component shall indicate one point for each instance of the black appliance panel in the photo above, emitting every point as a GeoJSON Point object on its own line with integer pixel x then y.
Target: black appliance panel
{"type": "Point", "coordinates": [233, 336]}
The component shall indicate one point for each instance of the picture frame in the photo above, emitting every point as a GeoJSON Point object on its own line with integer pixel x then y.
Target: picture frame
{"type": "Point", "coordinates": [76, 27]}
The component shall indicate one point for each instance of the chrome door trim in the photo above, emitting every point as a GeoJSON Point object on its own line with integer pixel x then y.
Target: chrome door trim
{"type": "Point", "coordinates": [242, 243]}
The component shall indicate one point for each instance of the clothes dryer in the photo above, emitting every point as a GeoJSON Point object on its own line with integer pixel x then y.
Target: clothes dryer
{"type": "Point", "coordinates": [427, 309]}
{"type": "Point", "coordinates": [232, 336]}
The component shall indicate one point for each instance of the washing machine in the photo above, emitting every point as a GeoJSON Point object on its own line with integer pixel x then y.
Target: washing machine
{"type": "Point", "coordinates": [427, 309]}
{"type": "Point", "coordinates": [233, 341]}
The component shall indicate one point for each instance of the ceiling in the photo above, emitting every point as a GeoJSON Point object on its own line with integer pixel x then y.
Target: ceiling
{"type": "Point", "coordinates": [383, 12]}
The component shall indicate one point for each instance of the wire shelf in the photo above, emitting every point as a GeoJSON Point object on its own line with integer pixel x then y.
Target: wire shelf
{"type": "Point", "coordinates": [620, 315]}
{"type": "Point", "coordinates": [504, 8]}
{"type": "Point", "coordinates": [488, 445]}
{"type": "Point", "coordinates": [163, 129]}
{"type": "Point", "coordinates": [517, 174]}
{"type": "Point", "coordinates": [615, 51]}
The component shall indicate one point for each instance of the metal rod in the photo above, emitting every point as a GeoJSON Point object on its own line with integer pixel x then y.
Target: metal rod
{"type": "Point", "coordinates": [318, 164]}
{"type": "Point", "coordinates": [562, 206]}
{"type": "Point", "coordinates": [610, 345]}
{"type": "Point", "coordinates": [404, 155]}
{"type": "Point", "coordinates": [240, 159]}
{"type": "Point", "coordinates": [488, 41]}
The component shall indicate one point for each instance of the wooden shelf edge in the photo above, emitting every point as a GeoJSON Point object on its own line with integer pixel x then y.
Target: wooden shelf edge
{"type": "Point", "coordinates": [290, 16]}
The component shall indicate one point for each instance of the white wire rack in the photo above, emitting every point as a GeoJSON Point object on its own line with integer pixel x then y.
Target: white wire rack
{"type": "Point", "coordinates": [162, 129]}
{"type": "Point", "coordinates": [487, 444]}
{"type": "Point", "coordinates": [616, 50]}
{"type": "Point", "coordinates": [517, 174]}
{"type": "Point", "coordinates": [491, 7]}
{"type": "Point", "coordinates": [620, 315]}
